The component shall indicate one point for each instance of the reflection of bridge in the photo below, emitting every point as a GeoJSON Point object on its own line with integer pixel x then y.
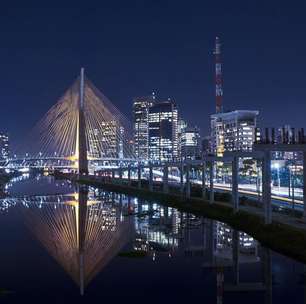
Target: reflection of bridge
{"type": "Point", "coordinates": [213, 245]}
{"type": "Point", "coordinates": [82, 234]}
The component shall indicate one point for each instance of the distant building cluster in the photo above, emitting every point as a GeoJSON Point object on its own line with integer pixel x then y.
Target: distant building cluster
{"type": "Point", "coordinates": [4, 146]}
{"type": "Point", "coordinates": [159, 132]}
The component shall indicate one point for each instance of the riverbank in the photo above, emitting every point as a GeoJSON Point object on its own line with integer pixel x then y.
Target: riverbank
{"type": "Point", "coordinates": [283, 238]}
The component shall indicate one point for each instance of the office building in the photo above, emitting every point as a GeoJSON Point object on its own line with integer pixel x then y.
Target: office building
{"type": "Point", "coordinates": [233, 131]}
{"type": "Point", "coordinates": [163, 127]}
{"type": "Point", "coordinates": [108, 142]}
{"type": "Point", "coordinates": [190, 143]}
{"type": "Point", "coordinates": [181, 127]}
{"type": "Point", "coordinates": [141, 107]}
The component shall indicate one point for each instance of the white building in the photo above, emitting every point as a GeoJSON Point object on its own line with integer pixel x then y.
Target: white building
{"type": "Point", "coordinates": [233, 131]}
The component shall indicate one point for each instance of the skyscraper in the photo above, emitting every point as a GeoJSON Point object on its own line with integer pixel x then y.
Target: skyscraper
{"type": "Point", "coordinates": [163, 138]}
{"type": "Point", "coordinates": [4, 146]}
{"type": "Point", "coordinates": [233, 131]}
{"type": "Point", "coordinates": [141, 107]}
{"type": "Point", "coordinates": [181, 127]}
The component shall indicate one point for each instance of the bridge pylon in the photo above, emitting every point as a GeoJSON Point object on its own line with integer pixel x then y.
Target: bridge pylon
{"type": "Point", "coordinates": [81, 130]}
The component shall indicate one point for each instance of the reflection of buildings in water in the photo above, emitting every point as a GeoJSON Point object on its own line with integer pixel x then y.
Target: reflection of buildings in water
{"type": "Point", "coordinates": [224, 240]}
{"type": "Point", "coordinates": [82, 235]}
{"type": "Point", "coordinates": [222, 249]}
{"type": "Point", "coordinates": [229, 249]}
{"type": "Point", "coordinates": [158, 230]}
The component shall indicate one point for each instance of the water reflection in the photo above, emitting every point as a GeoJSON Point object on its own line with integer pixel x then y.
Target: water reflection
{"type": "Point", "coordinates": [82, 233]}
{"type": "Point", "coordinates": [222, 248]}
{"type": "Point", "coordinates": [85, 229]}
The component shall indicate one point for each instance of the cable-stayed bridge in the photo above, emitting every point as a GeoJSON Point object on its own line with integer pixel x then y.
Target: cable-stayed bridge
{"type": "Point", "coordinates": [81, 130]}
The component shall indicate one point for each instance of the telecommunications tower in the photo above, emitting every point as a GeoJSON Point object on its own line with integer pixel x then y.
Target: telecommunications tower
{"type": "Point", "coordinates": [218, 76]}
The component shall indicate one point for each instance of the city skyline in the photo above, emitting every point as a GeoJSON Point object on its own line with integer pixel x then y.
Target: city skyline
{"type": "Point", "coordinates": [152, 144]}
{"type": "Point", "coordinates": [139, 63]}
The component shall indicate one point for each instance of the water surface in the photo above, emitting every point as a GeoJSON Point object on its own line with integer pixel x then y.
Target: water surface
{"type": "Point", "coordinates": [64, 243]}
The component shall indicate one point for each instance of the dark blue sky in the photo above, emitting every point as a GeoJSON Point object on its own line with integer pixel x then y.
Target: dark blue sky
{"type": "Point", "coordinates": [130, 48]}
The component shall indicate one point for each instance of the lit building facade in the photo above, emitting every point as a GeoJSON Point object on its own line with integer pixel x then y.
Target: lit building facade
{"type": "Point", "coordinates": [283, 134]}
{"type": "Point", "coordinates": [108, 141]}
{"type": "Point", "coordinates": [141, 106]}
{"type": "Point", "coordinates": [224, 241]}
{"type": "Point", "coordinates": [233, 131]}
{"type": "Point", "coordinates": [181, 127]}
{"type": "Point", "coordinates": [190, 143]}
{"type": "Point", "coordinates": [4, 146]}
{"type": "Point", "coordinates": [163, 131]}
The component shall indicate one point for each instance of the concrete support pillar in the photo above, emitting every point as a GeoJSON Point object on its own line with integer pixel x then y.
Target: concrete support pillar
{"type": "Point", "coordinates": [304, 183]}
{"type": "Point", "coordinates": [235, 174]}
{"type": "Point", "coordinates": [139, 176]}
{"type": "Point", "coordinates": [188, 181]}
{"type": "Point", "coordinates": [129, 175]}
{"type": "Point", "coordinates": [211, 182]}
{"type": "Point", "coordinates": [120, 175]}
{"type": "Point", "coordinates": [182, 178]}
{"type": "Point", "coordinates": [266, 187]}
{"type": "Point", "coordinates": [204, 180]}
{"type": "Point", "coordinates": [165, 178]}
{"type": "Point", "coordinates": [151, 177]}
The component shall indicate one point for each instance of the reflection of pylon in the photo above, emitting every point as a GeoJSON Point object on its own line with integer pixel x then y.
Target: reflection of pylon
{"type": "Point", "coordinates": [220, 285]}
{"type": "Point", "coordinates": [82, 236]}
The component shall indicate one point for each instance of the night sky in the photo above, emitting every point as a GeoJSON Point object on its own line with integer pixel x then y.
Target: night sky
{"type": "Point", "coordinates": [130, 48]}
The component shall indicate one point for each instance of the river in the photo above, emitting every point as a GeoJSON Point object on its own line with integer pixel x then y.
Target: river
{"type": "Point", "coordinates": [62, 242]}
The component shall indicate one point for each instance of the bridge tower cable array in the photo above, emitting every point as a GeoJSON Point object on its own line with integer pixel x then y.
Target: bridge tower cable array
{"type": "Point", "coordinates": [83, 127]}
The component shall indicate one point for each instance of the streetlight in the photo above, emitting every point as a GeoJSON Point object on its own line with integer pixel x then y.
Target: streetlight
{"type": "Point", "coordinates": [277, 166]}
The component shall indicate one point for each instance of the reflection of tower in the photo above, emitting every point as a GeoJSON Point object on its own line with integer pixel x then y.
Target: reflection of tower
{"type": "Point", "coordinates": [304, 283]}
{"type": "Point", "coordinates": [81, 134]}
{"type": "Point", "coordinates": [81, 229]}
{"type": "Point", "coordinates": [81, 234]}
